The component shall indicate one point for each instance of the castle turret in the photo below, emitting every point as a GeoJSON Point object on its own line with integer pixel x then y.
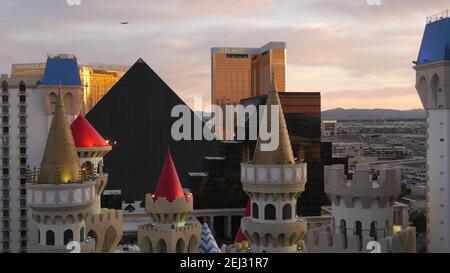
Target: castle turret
{"type": "Point", "coordinates": [60, 200]}
{"type": "Point", "coordinates": [273, 181]}
{"type": "Point", "coordinates": [103, 225]}
{"type": "Point", "coordinates": [91, 148]}
{"type": "Point", "coordinates": [433, 86]}
{"type": "Point", "coordinates": [362, 210]}
{"type": "Point", "coordinates": [170, 229]}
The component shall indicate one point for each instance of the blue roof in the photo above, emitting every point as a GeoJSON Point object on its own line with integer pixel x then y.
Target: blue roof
{"type": "Point", "coordinates": [62, 70]}
{"type": "Point", "coordinates": [435, 43]}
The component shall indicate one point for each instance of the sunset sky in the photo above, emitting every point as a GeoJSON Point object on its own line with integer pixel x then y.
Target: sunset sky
{"type": "Point", "coordinates": [357, 55]}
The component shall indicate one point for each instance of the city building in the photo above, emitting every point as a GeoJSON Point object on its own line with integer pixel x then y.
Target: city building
{"type": "Point", "coordinates": [96, 79]}
{"type": "Point", "coordinates": [170, 229]}
{"type": "Point", "coordinates": [433, 86]}
{"type": "Point", "coordinates": [329, 130]}
{"type": "Point", "coordinates": [362, 211]}
{"type": "Point", "coordinates": [136, 115]}
{"type": "Point", "coordinates": [238, 73]}
{"type": "Point", "coordinates": [64, 194]}
{"type": "Point", "coordinates": [273, 180]}
{"type": "Point", "coordinates": [28, 103]}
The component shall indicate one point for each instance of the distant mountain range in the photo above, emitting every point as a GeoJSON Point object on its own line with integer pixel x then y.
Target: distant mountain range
{"type": "Point", "coordinates": [368, 114]}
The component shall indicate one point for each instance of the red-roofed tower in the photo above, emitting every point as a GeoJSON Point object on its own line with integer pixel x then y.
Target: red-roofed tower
{"type": "Point", "coordinates": [170, 230]}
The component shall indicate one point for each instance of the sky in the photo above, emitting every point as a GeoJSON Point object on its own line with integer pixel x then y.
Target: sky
{"type": "Point", "coordinates": [356, 53]}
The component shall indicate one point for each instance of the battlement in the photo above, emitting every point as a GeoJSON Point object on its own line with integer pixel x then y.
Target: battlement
{"type": "Point", "coordinates": [106, 216]}
{"type": "Point", "coordinates": [323, 240]}
{"type": "Point", "coordinates": [163, 211]}
{"type": "Point", "coordinates": [189, 226]}
{"type": "Point", "coordinates": [383, 188]}
{"type": "Point", "coordinates": [234, 248]}
{"type": "Point", "coordinates": [273, 178]}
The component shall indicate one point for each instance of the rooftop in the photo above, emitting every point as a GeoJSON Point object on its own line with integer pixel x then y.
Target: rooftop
{"type": "Point", "coordinates": [62, 69]}
{"type": "Point", "coordinates": [85, 136]}
{"type": "Point", "coordinates": [436, 40]}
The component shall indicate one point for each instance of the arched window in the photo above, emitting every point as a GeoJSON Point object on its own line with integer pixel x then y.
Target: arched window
{"type": "Point", "coordinates": [287, 212]}
{"type": "Point", "coordinates": [162, 247]}
{"type": "Point", "coordinates": [435, 83]}
{"type": "Point", "coordinates": [82, 234]}
{"type": "Point", "coordinates": [52, 98]}
{"type": "Point", "coordinates": [373, 230]}
{"type": "Point", "coordinates": [39, 236]}
{"type": "Point", "coordinates": [180, 246]}
{"type": "Point", "coordinates": [270, 212]}
{"type": "Point", "coordinates": [255, 211]}
{"type": "Point", "coordinates": [358, 232]}
{"type": "Point", "coordinates": [22, 87]}
{"type": "Point", "coordinates": [69, 103]}
{"type": "Point", "coordinates": [4, 86]}
{"type": "Point", "coordinates": [343, 230]}
{"type": "Point", "coordinates": [50, 238]}
{"type": "Point", "coordinates": [68, 236]}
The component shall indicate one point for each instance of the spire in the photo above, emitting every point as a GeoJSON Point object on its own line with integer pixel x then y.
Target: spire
{"type": "Point", "coordinates": [60, 163]}
{"type": "Point", "coordinates": [207, 242]}
{"type": "Point", "coordinates": [273, 83]}
{"type": "Point", "coordinates": [169, 185]}
{"type": "Point", "coordinates": [283, 154]}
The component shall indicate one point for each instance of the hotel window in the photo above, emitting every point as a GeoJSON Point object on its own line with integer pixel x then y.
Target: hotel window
{"type": "Point", "coordinates": [5, 109]}
{"type": "Point", "coordinates": [23, 161]}
{"type": "Point", "coordinates": [5, 130]}
{"type": "Point", "coordinates": [4, 86]}
{"type": "Point", "coordinates": [22, 109]}
{"type": "Point", "coordinates": [22, 87]}
{"type": "Point", "coordinates": [23, 150]}
{"type": "Point", "coordinates": [5, 99]}
{"type": "Point", "coordinates": [5, 119]}
{"type": "Point", "coordinates": [22, 98]}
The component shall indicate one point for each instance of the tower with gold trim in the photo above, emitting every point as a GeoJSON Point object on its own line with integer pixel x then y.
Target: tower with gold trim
{"type": "Point", "coordinates": [273, 180]}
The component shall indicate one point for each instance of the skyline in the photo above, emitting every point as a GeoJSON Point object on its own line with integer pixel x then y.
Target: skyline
{"type": "Point", "coordinates": [372, 71]}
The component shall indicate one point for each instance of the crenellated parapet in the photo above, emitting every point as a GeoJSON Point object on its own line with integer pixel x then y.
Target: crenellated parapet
{"type": "Point", "coordinates": [73, 198]}
{"type": "Point", "coordinates": [325, 240]}
{"type": "Point", "coordinates": [106, 229]}
{"type": "Point", "coordinates": [363, 186]}
{"type": "Point", "coordinates": [169, 212]}
{"type": "Point", "coordinates": [273, 179]}
{"type": "Point", "coordinates": [234, 248]}
{"type": "Point", "coordinates": [173, 239]}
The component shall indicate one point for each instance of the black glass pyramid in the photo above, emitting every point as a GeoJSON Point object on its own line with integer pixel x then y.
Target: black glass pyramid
{"type": "Point", "coordinates": [136, 113]}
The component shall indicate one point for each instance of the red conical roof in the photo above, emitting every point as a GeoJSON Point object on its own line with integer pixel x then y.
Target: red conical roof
{"type": "Point", "coordinates": [169, 185]}
{"type": "Point", "coordinates": [240, 236]}
{"type": "Point", "coordinates": [84, 135]}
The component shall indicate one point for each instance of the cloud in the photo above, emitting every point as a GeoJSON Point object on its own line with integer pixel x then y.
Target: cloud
{"type": "Point", "coordinates": [332, 45]}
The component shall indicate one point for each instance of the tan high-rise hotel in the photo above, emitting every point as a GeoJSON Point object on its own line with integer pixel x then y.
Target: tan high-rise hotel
{"type": "Point", "coordinates": [239, 73]}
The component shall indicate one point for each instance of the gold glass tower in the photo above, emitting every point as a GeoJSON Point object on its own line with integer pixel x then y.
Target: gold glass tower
{"type": "Point", "coordinates": [238, 73]}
